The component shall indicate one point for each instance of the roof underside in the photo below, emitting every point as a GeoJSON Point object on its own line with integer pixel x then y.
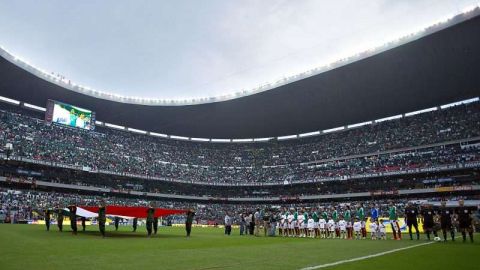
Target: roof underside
{"type": "Point", "coordinates": [437, 69]}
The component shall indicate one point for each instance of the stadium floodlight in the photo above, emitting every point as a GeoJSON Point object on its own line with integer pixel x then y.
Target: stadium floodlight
{"type": "Point", "coordinates": [220, 140]}
{"type": "Point", "coordinates": [398, 116]}
{"type": "Point", "coordinates": [314, 133]}
{"type": "Point", "coordinates": [9, 100]}
{"type": "Point", "coordinates": [137, 130]}
{"type": "Point", "coordinates": [262, 139]}
{"type": "Point", "coordinates": [333, 129]}
{"type": "Point", "coordinates": [459, 103]}
{"type": "Point", "coordinates": [421, 111]}
{"type": "Point", "coordinates": [159, 135]}
{"type": "Point", "coordinates": [200, 139]}
{"type": "Point", "coordinates": [360, 124]}
{"type": "Point", "coordinates": [179, 138]}
{"type": "Point", "coordinates": [114, 126]}
{"type": "Point", "coordinates": [288, 137]}
{"type": "Point", "coordinates": [35, 107]}
{"type": "Point", "coordinates": [242, 140]}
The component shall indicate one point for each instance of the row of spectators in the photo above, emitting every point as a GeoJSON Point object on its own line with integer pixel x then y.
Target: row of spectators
{"type": "Point", "coordinates": [277, 162]}
{"type": "Point", "coordinates": [124, 184]}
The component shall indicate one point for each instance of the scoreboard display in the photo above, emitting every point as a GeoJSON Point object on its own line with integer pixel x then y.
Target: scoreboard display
{"type": "Point", "coordinates": [69, 115]}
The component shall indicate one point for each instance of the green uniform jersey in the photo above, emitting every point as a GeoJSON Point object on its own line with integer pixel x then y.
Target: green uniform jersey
{"type": "Point", "coordinates": [334, 216]}
{"type": "Point", "coordinates": [295, 216]}
{"type": "Point", "coordinates": [305, 218]}
{"type": "Point", "coordinates": [361, 213]}
{"type": "Point", "coordinates": [392, 213]}
{"type": "Point", "coordinates": [325, 215]}
{"type": "Point", "coordinates": [315, 217]}
{"type": "Point", "coordinates": [348, 216]}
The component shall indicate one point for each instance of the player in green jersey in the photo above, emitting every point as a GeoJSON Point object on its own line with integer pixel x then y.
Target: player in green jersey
{"type": "Point", "coordinates": [347, 215]}
{"type": "Point", "coordinates": [361, 218]}
{"type": "Point", "coordinates": [392, 214]}
{"type": "Point", "coordinates": [315, 223]}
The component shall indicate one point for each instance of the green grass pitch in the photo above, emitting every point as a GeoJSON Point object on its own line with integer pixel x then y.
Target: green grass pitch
{"type": "Point", "coordinates": [32, 247]}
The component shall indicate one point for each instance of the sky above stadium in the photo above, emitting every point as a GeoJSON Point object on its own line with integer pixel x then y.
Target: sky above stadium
{"type": "Point", "coordinates": [191, 49]}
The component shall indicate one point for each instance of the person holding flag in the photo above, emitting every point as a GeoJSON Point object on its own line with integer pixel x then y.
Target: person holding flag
{"type": "Point", "coordinates": [73, 218]}
{"type": "Point", "coordinates": [102, 219]}
{"type": "Point", "coordinates": [150, 214]}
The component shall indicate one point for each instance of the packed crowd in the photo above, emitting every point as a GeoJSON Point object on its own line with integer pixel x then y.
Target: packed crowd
{"type": "Point", "coordinates": [80, 179]}
{"type": "Point", "coordinates": [274, 162]}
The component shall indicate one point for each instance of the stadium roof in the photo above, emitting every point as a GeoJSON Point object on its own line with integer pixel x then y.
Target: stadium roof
{"type": "Point", "coordinates": [436, 69]}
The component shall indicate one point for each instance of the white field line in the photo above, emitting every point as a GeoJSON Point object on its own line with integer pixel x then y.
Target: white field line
{"type": "Point", "coordinates": [364, 257]}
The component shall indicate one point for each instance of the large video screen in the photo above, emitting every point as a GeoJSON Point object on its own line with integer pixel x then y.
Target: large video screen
{"type": "Point", "coordinates": [66, 114]}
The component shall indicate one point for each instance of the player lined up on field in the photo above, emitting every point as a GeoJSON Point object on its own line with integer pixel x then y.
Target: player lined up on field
{"type": "Point", "coordinates": [340, 222]}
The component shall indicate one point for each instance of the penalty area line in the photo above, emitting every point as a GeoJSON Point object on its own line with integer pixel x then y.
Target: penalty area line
{"type": "Point", "coordinates": [364, 257]}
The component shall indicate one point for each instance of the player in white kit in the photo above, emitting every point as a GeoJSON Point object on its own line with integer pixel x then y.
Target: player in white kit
{"type": "Point", "coordinates": [343, 228]}
{"type": "Point", "coordinates": [373, 230]}
{"type": "Point", "coordinates": [290, 224]}
{"type": "Point", "coordinates": [331, 228]}
{"type": "Point", "coordinates": [382, 230]}
{"type": "Point", "coordinates": [357, 229]}
{"type": "Point", "coordinates": [322, 224]}
{"type": "Point", "coordinates": [311, 227]}
{"type": "Point", "coordinates": [301, 224]}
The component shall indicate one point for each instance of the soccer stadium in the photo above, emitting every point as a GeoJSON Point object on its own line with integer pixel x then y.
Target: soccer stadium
{"type": "Point", "coordinates": [239, 135]}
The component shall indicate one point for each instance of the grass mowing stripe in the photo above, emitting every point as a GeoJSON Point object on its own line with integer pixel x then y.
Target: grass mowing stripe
{"type": "Point", "coordinates": [364, 257]}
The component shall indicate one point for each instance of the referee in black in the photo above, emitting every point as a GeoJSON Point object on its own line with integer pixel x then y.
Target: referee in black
{"type": "Point", "coordinates": [446, 221]}
{"type": "Point", "coordinates": [465, 221]}
{"type": "Point", "coordinates": [411, 214]}
{"type": "Point", "coordinates": [428, 222]}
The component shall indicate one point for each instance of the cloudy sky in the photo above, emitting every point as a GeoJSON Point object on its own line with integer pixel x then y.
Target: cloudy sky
{"type": "Point", "coordinates": [188, 49]}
